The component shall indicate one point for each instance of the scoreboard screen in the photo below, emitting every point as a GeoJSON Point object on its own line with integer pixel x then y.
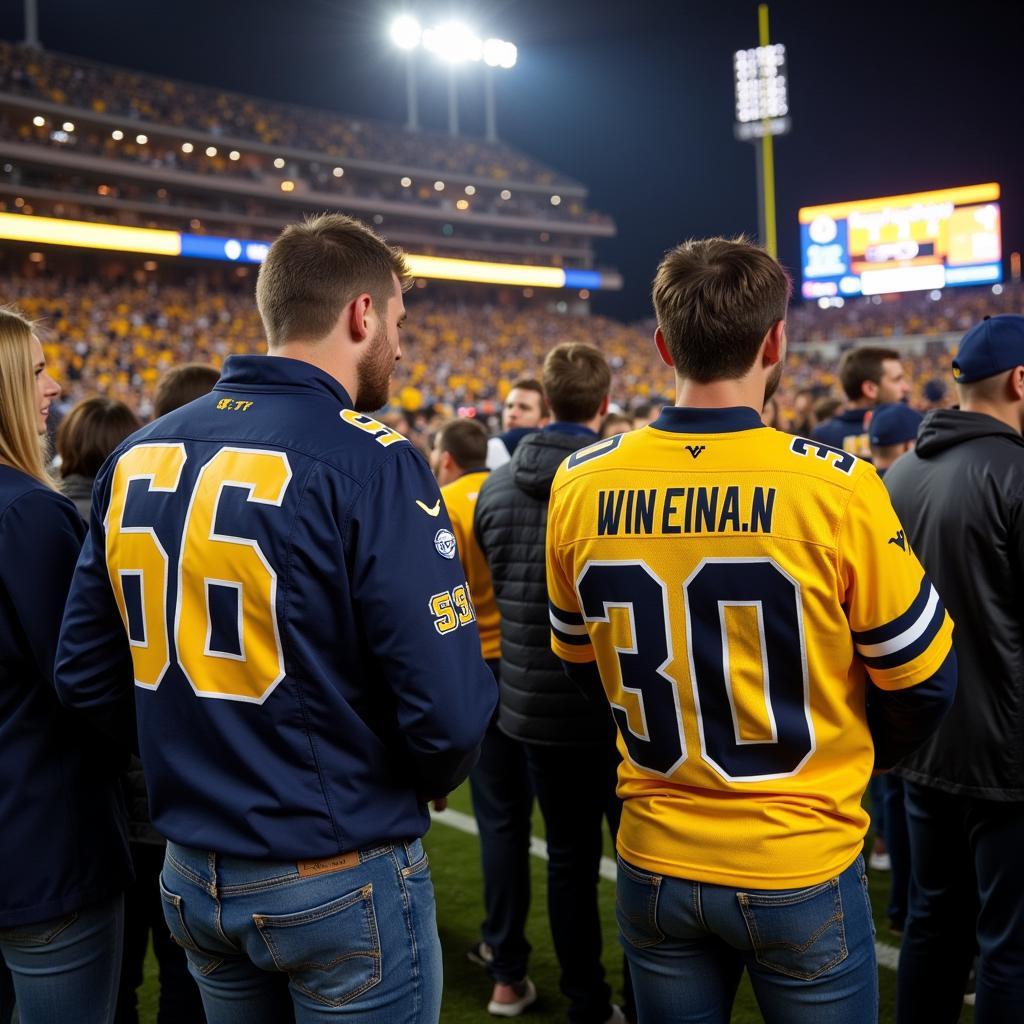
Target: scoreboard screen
{"type": "Point", "coordinates": [916, 242]}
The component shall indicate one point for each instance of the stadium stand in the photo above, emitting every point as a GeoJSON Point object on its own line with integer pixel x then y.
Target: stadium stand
{"type": "Point", "coordinates": [118, 339]}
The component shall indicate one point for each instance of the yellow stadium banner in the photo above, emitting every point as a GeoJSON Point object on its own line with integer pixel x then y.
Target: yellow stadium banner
{"type": "Point", "coordinates": [17, 227]}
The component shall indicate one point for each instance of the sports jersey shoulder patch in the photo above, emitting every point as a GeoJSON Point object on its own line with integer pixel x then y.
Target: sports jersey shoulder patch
{"type": "Point", "coordinates": [843, 462]}
{"type": "Point", "coordinates": [380, 432]}
{"type": "Point", "coordinates": [594, 451]}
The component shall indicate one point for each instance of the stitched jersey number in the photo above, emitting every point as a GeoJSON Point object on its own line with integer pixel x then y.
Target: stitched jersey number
{"type": "Point", "coordinates": [229, 571]}
{"type": "Point", "coordinates": [773, 598]}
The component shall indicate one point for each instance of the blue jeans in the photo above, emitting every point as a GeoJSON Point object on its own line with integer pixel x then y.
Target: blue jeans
{"type": "Point", "coordinates": [503, 804]}
{"type": "Point", "coordinates": [810, 952]}
{"type": "Point", "coordinates": [268, 945]}
{"type": "Point", "coordinates": [966, 895]}
{"type": "Point", "coordinates": [71, 961]}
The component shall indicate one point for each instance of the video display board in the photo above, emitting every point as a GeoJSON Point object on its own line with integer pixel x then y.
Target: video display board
{"type": "Point", "coordinates": [915, 242]}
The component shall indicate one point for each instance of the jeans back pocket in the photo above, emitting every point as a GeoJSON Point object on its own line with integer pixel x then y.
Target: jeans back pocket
{"type": "Point", "coordinates": [175, 918]}
{"type": "Point", "coordinates": [636, 906]}
{"type": "Point", "coordinates": [799, 933]}
{"type": "Point", "coordinates": [330, 952]}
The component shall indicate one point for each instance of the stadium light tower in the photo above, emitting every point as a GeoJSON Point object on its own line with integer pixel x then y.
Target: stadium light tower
{"type": "Point", "coordinates": [32, 24]}
{"type": "Point", "coordinates": [454, 43]}
{"type": "Point", "coordinates": [406, 35]}
{"type": "Point", "coordinates": [762, 109]}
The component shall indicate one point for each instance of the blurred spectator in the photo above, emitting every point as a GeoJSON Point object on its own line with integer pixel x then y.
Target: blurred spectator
{"type": "Point", "coordinates": [181, 385]}
{"type": "Point", "coordinates": [934, 394]}
{"type": "Point", "coordinates": [870, 376]}
{"type": "Point", "coordinates": [616, 423]}
{"type": "Point", "coordinates": [525, 410]}
{"type": "Point", "coordinates": [85, 437]}
{"type": "Point", "coordinates": [826, 407]}
{"type": "Point", "coordinates": [644, 414]}
{"type": "Point", "coordinates": [892, 433]}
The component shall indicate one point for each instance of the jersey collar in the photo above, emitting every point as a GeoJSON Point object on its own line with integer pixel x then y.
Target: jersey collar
{"type": "Point", "coordinates": [278, 372]}
{"type": "Point", "coordinates": [685, 420]}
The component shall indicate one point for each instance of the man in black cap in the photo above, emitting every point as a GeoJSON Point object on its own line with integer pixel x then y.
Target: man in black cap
{"type": "Point", "coordinates": [960, 496]}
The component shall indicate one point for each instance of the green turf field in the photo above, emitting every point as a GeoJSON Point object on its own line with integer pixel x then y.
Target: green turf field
{"type": "Point", "coordinates": [455, 864]}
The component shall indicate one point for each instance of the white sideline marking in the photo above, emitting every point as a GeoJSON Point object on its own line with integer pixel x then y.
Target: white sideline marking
{"type": "Point", "coordinates": [888, 956]}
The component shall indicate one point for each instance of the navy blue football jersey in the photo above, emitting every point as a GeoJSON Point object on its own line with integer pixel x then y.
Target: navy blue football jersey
{"type": "Point", "coordinates": [277, 576]}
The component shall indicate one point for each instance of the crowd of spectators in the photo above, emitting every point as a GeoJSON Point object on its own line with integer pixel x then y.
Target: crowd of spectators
{"type": "Point", "coordinates": [117, 339]}
{"type": "Point", "coordinates": [321, 178]}
{"type": "Point", "coordinates": [952, 310]}
{"type": "Point", "coordinates": [139, 97]}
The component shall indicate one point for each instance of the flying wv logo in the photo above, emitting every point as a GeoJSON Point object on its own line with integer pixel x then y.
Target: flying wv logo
{"type": "Point", "coordinates": [695, 449]}
{"type": "Point", "coordinates": [899, 540]}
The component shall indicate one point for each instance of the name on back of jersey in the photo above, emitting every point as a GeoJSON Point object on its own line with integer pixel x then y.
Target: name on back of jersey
{"type": "Point", "coordinates": [684, 510]}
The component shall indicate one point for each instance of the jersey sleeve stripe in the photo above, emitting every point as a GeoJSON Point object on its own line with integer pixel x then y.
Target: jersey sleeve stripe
{"type": "Point", "coordinates": [891, 630]}
{"type": "Point", "coordinates": [908, 636]}
{"type": "Point", "coordinates": [915, 645]}
{"type": "Point", "coordinates": [563, 619]}
{"type": "Point", "coordinates": [576, 639]}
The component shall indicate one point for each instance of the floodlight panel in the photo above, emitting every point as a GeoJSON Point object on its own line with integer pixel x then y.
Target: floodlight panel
{"type": "Point", "coordinates": [454, 42]}
{"type": "Point", "coordinates": [406, 32]}
{"type": "Point", "coordinates": [761, 83]}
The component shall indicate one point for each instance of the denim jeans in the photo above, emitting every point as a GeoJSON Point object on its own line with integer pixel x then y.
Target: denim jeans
{"type": "Point", "coordinates": [267, 943]}
{"type": "Point", "coordinates": [71, 961]}
{"type": "Point", "coordinates": [575, 787]}
{"type": "Point", "coordinates": [503, 804]}
{"type": "Point", "coordinates": [966, 895]}
{"type": "Point", "coordinates": [810, 952]}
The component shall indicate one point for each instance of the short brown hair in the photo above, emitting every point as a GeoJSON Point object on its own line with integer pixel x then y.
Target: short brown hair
{"type": "Point", "coordinates": [576, 381]}
{"type": "Point", "coordinates": [90, 432]}
{"type": "Point", "coordinates": [465, 440]}
{"type": "Point", "coordinates": [315, 269]}
{"type": "Point", "coordinates": [862, 364]}
{"type": "Point", "coordinates": [715, 299]}
{"type": "Point", "coordinates": [181, 385]}
{"type": "Point", "coordinates": [532, 384]}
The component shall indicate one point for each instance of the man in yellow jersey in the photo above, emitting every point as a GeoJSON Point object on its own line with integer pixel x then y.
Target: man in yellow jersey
{"type": "Point", "coordinates": [499, 784]}
{"type": "Point", "coordinates": [765, 637]}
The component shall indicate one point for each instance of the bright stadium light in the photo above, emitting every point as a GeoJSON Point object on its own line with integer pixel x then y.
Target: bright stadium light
{"type": "Point", "coordinates": [500, 54]}
{"type": "Point", "coordinates": [406, 33]}
{"type": "Point", "coordinates": [453, 41]}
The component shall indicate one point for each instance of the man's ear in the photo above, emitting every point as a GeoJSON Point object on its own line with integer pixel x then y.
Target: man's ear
{"type": "Point", "coordinates": [775, 343]}
{"type": "Point", "coordinates": [662, 347]}
{"type": "Point", "coordinates": [1016, 383]}
{"type": "Point", "coordinates": [359, 314]}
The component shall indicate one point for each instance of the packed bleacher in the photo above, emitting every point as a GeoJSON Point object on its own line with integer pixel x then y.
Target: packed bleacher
{"type": "Point", "coordinates": [118, 339]}
{"type": "Point", "coordinates": [145, 98]}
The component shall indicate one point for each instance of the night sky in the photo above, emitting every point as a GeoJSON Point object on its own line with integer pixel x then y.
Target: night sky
{"type": "Point", "coordinates": [634, 99]}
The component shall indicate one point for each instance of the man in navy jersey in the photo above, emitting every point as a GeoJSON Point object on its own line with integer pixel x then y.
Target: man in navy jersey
{"type": "Point", "coordinates": [870, 377]}
{"type": "Point", "coordinates": [276, 573]}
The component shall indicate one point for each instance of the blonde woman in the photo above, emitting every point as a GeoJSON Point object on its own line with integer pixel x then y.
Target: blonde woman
{"type": "Point", "coordinates": [62, 845]}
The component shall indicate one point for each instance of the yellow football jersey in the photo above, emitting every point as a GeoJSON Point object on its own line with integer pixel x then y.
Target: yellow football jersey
{"type": "Point", "coordinates": [734, 584]}
{"type": "Point", "coordinates": [460, 500]}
